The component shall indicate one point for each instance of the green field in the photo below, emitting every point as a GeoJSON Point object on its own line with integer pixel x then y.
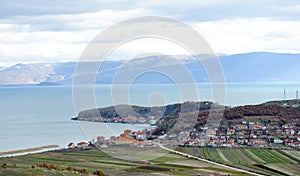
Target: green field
{"type": "Point", "coordinates": [254, 159]}
{"type": "Point", "coordinates": [125, 161]}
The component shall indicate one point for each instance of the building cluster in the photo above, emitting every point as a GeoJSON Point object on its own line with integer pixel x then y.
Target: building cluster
{"type": "Point", "coordinates": [244, 134]}
{"type": "Point", "coordinates": [240, 134]}
{"type": "Point", "coordinates": [80, 145]}
{"type": "Point", "coordinates": [128, 137]}
{"type": "Point", "coordinates": [128, 119]}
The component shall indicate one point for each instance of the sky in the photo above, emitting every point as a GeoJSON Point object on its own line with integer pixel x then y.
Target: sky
{"type": "Point", "coordinates": [58, 31]}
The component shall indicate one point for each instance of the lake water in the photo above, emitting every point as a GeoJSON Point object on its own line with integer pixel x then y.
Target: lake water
{"type": "Point", "coordinates": [36, 116]}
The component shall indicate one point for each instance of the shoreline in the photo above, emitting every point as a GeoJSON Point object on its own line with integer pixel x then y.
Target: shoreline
{"type": "Point", "coordinates": [27, 150]}
{"type": "Point", "coordinates": [105, 122]}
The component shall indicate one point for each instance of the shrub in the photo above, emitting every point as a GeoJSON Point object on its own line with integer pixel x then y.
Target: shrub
{"type": "Point", "coordinates": [4, 165]}
{"type": "Point", "coordinates": [99, 172]}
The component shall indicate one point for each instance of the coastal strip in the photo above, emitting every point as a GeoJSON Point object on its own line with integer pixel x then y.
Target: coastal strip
{"type": "Point", "coordinates": [28, 150]}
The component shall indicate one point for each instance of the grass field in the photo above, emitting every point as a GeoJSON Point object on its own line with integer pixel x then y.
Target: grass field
{"type": "Point", "coordinates": [94, 159]}
{"type": "Point", "coordinates": [255, 159]}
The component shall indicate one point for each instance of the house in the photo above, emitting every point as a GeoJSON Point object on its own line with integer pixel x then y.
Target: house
{"type": "Point", "coordinates": [257, 132]}
{"type": "Point", "coordinates": [201, 142]}
{"type": "Point", "coordinates": [288, 126]}
{"type": "Point", "coordinates": [230, 132]}
{"type": "Point", "coordinates": [222, 139]}
{"type": "Point", "coordinates": [243, 141]}
{"type": "Point", "coordinates": [298, 138]}
{"type": "Point", "coordinates": [141, 136]}
{"type": "Point", "coordinates": [100, 139]}
{"type": "Point", "coordinates": [295, 144]}
{"type": "Point", "coordinates": [145, 162]}
{"type": "Point", "coordinates": [123, 136]}
{"type": "Point", "coordinates": [274, 127]}
{"type": "Point", "coordinates": [288, 142]}
{"type": "Point", "coordinates": [71, 145]}
{"type": "Point", "coordinates": [240, 127]}
{"type": "Point", "coordinates": [251, 123]}
{"type": "Point", "coordinates": [127, 132]}
{"type": "Point", "coordinates": [289, 131]}
{"type": "Point", "coordinates": [183, 135]}
{"type": "Point", "coordinates": [125, 141]}
{"type": "Point", "coordinates": [112, 139]}
{"type": "Point", "coordinates": [211, 132]}
{"type": "Point", "coordinates": [277, 141]}
{"type": "Point", "coordinates": [210, 143]}
{"type": "Point", "coordinates": [257, 127]}
{"type": "Point", "coordinates": [229, 143]}
{"type": "Point", "coordinates": [257, 142]}
{"type": "Point", "coordinates": [82, 145]}
{"type": "Point", "coordinates": [253, 136]}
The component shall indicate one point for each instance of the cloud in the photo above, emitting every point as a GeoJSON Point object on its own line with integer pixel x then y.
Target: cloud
{"type": "Point", "coordinates": [251, 35]}
{"type": "Point", "coordinates": [54, 38]}
{"type": "Point", "coordinates": [53, 31]}
{"type": "Point", "coordinates": [192, 10]}
{"type": "Point", "coordinates": [224, 9]}
{"type": "Point", "coordinates": [69, 22]}
{"type": "Point", "coordinates": [225, 36]}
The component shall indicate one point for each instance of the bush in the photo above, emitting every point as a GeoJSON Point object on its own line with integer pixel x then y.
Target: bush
{"type": "Point", "coordinates": [83, 171]}
{"type": "Point", "coordinates": [69, 168]}
{"type": "Point", "coordinates": [4, 165]}
{"type": "Point", "coordinates": [99, 172]}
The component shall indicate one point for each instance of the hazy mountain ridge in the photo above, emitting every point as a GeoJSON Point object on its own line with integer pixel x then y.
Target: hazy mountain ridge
{"type": "Point", "coordinates": [249, 67]}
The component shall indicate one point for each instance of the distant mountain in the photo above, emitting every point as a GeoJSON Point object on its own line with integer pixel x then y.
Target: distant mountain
{"type": "Point", "coordinates": [261, 66]}
{"type": "Point", "coordinates": [249, 67]}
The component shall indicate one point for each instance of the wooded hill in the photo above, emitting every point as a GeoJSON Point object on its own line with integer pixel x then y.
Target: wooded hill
{"type": "Point", "coordinates": [166, 116]}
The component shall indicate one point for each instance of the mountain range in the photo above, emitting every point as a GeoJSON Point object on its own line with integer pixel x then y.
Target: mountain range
{"type": "Point", "coordinates": [248, 67]}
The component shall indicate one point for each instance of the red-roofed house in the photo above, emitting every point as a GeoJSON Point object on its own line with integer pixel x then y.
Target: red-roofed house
{"type": "Point", "coordinates": [125, 141]}
{"type": "Point", "coordinates": [288, 142]}
{"type": "Point", "coordinates": [82, 145]}
{"type": "Point", "coordinates": [113, 139]}
{"type": "Point", "coordinates": [100, 139]}
{"type": "Point", "coordinates": [230, 132]}
{"type": "Point", "coordinates": [71, 145]}
{"type": "Point", "coordinates": [295, 144]}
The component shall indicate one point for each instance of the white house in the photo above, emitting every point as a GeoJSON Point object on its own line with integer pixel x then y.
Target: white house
{"type": "Point", "coordinates": [278, 141]}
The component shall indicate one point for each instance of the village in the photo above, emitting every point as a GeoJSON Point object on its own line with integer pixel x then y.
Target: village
{"type": "Point", "coordinates": [243, 134]}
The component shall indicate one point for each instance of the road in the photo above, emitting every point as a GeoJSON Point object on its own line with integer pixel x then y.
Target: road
{"type": "Point", "coordinates": [211, 162]}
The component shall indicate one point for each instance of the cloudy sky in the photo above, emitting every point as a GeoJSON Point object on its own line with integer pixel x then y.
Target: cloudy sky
{"type": "Point", "coordinates": [57, 31]}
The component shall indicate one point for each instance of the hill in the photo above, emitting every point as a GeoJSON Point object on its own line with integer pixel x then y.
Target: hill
{"type": "Point", "coordinates": [249, 67]}
{"type": "Point", "coordinates": [167, 116]}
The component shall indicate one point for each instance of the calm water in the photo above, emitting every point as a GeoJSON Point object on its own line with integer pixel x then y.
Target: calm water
{"type": "Point", "coordinates": [35, 116]}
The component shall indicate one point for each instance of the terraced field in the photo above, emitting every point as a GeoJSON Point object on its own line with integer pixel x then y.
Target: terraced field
{"type": "Point", "coordinates": [273, 162]}
{"type": "Point", "coordinates": [163, 163]}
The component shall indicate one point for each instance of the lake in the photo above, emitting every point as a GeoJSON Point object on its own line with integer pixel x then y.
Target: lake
{"type": "Point", "coordinates": [36, 116]}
